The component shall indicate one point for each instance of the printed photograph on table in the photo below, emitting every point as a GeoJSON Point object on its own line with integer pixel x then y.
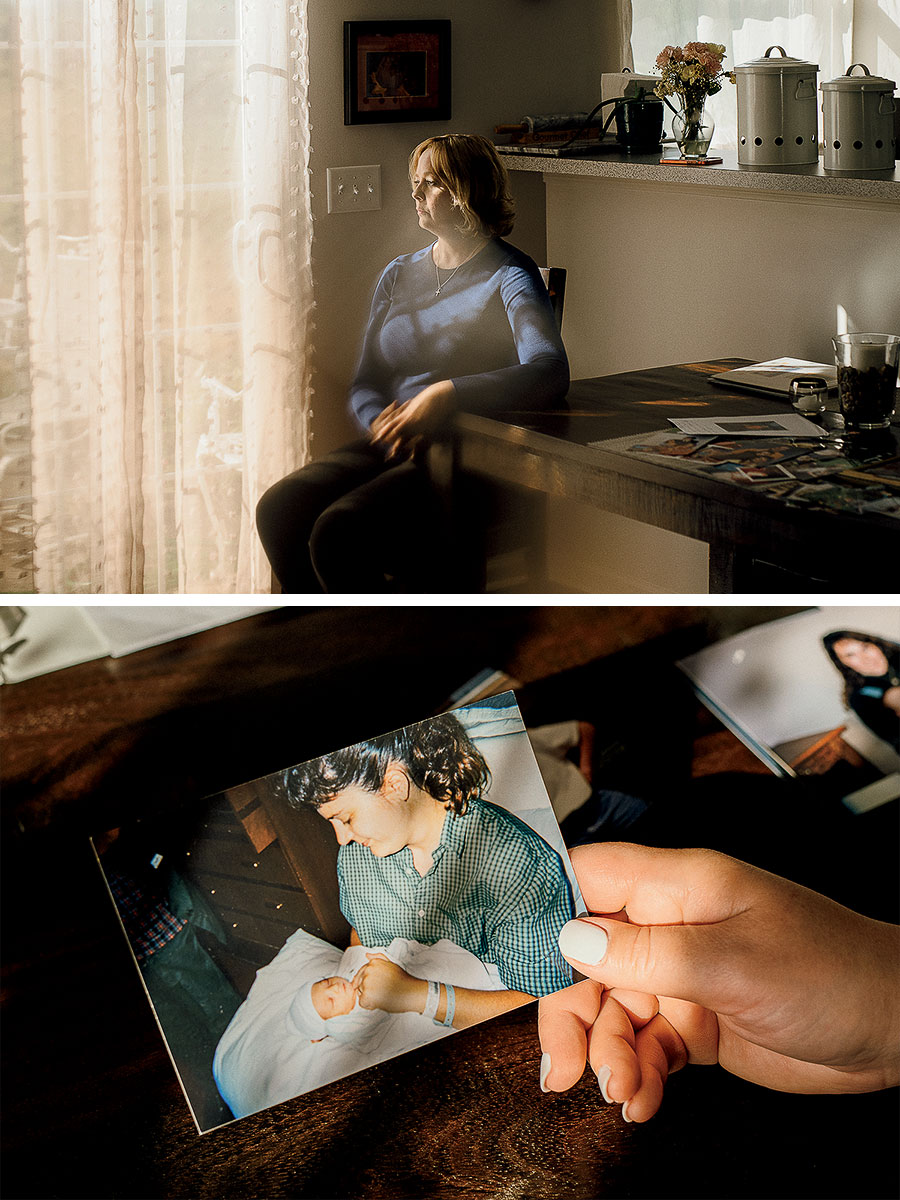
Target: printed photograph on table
{"type": "Point", "coordinates": [310, 924]}
{"type": "Point", "coordinates": [815, 693]}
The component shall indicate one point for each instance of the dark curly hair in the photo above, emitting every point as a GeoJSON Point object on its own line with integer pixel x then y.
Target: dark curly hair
{"type": "Point", "coordinates": [437, 754]}
{"type": "Point", "coordinates": [852, 679]}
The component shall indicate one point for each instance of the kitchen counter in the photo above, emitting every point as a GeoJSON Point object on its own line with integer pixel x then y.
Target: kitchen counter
{"type": "Point", "coordinates": [807, 180]}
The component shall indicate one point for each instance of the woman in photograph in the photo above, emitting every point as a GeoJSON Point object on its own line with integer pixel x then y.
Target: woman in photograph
{"type": "Point", "coordinates": [870, 669]}
{"type": "Point", "coordinates": [424, 856]}
{"type": "Point", "coordinates": [464, 324]}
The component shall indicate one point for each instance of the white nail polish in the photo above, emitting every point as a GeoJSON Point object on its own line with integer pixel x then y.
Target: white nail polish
{"type": "Point", "coordinates": [583, 941]}
{"type": "Point", "coordinates": [603, 1077]}
{"type": "Point", "coordinates": [625, 1116]}
{"type": "Point", "coordinates": [545, 1071]}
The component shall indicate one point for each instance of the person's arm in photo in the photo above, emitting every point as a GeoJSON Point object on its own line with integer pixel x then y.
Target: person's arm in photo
{"type": "Point", "coordinates": [523, 935]}
{"type": "Point", "coordinates": [385, 985]}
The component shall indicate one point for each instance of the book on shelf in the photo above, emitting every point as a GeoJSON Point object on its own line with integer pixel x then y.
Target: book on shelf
{"type": "Point", "coordinates": [580, 148]}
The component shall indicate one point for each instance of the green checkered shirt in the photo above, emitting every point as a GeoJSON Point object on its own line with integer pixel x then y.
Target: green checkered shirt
{"type": "Point", "coordinates": [496, 888]}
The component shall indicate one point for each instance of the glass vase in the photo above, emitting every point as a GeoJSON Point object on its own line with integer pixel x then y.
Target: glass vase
{"type": "Point", "coordinates": [693, 130]}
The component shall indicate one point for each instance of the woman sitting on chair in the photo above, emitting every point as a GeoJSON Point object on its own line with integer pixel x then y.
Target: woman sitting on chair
{"type": "Point", "coordinates": [464, 324]}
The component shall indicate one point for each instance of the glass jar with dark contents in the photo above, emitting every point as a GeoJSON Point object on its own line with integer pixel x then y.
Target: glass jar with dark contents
{"type": "Point", "coordinates": [867, 379]}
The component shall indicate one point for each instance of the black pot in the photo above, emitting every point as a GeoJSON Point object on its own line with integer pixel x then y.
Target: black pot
{"type": "Point", "coordinates": [639, 125]}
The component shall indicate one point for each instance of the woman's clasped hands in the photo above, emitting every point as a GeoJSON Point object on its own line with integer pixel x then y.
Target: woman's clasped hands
{"type": "Point", "coordinates": [400, 428]}
{"type": "Point", "coordinates": [694, 957]}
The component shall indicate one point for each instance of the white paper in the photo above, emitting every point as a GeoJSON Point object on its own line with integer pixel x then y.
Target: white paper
{"type": "Point", "coordinates": [131, 627]}
{"type": "Point", "coordinates": [52, 637]}
{"type": "Point", "coordinates": [764, 425]}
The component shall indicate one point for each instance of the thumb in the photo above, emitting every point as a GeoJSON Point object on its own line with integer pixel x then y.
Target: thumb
{"type": "Point", "coordinates": [665, 960]}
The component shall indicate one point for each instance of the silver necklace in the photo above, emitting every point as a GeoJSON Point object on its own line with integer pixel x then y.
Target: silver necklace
{"type": "Point", "coordinates": [437, 274]}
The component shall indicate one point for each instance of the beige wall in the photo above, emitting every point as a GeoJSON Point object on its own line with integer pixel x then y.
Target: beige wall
{"type": "Point", "coordinates": [660, 273]}
{"type": "Point", "coordinates": [510, 57]}
{"type": "Point", "coordinates": [663, 272]}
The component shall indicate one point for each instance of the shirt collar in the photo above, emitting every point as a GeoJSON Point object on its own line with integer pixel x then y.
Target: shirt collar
{"type": "Point", "coordinates": [453, 839]}
{"type": "Point", "coordinates": [453, 834]}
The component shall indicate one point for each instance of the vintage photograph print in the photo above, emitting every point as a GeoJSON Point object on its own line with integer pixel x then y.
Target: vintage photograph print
{"type": "Point", "coordinates": [817, 692]}
{"type": "Point", "coordinates": [396, 71]}
{"type": "Point", "coordinates": [310, 924]}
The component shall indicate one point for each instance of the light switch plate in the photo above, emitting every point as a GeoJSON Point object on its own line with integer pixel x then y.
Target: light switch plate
{"type": "Point", "coordinates": [353, 189]}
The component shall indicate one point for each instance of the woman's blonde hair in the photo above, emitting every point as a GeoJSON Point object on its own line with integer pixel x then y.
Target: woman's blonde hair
{"type": "Point", "coordinates": [470, 168]}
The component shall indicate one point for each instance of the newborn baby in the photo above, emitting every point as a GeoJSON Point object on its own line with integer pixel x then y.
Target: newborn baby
{"type": "Point", "coordinates": [329, 1007]}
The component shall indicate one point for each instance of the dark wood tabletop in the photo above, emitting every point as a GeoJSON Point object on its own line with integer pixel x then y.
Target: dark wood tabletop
{"type": "Point", "coordinates": [92, 1107]}
{"type": "Point", "coordinates": [555, 453]}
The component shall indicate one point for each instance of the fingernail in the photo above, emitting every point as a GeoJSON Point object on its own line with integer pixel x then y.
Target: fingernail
{"type": "Point", "coordinates": [603, 1077]}
{"type": "Point", "coordinates": [583, 941]}
{"type": "Point", "coordinates": [545, 1071]}
{"type": "Point", "coordinates": [625, 1116]}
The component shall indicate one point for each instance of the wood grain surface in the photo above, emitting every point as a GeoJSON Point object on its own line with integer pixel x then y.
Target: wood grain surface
{"type": "Point", "coordinates": [91, 1104]}
{"type": "Point", "coordinates": [554, 453]}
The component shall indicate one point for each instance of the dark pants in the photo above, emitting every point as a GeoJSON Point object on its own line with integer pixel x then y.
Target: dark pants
{"type": "Point", "coordinates": [352, 522]}
{"type": "Point", "coordinates": [194, 1002]}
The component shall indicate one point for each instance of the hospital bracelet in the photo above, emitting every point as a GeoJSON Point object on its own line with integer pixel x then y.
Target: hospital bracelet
{"type": "Point", "coordinates": [434, 999]}
{"type": "Point", "coordinates": [451, 1004]}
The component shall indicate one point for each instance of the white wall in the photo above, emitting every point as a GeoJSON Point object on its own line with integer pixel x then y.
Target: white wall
{"type": "Point", "coordinates": [510, 57]}
{"type": "Point", "coordinates": [660, 273]}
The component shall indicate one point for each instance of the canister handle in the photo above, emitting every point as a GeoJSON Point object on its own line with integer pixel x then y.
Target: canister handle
{"type": "Point", "coordinates": [849, 70]}
{"type": "Point", "coordinates": [784, 53]}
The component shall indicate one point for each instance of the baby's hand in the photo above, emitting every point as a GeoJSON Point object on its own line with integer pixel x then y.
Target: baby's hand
{"type": "Point", "coordinates": [382, 984]}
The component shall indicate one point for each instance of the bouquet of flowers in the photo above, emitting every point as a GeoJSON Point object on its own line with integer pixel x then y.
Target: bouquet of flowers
{"type": "Point", "coordinates": [691, 72]}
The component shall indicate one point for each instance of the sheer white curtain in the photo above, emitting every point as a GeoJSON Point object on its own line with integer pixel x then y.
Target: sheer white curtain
{"type": "Point", "coordinates": [819, 31]}
{"type": "Point", "coordinates": [155, 242]}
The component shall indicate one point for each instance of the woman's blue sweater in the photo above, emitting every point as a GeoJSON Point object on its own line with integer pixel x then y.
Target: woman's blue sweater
{"type": "Point", "coordinates": [491, 331]}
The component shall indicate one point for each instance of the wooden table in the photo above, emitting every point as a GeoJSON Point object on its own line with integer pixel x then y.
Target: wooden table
{"type": "Point", "coordinates": [551, 454]}
{"type": "Point", "coordinates": [91, 1104]}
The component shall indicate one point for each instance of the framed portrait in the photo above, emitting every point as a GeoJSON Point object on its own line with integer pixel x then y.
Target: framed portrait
{"type": "Point", "coordinates": [396, 71]}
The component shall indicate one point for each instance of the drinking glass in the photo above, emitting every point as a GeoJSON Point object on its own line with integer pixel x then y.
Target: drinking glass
{"type": "Point", "coordinates": [867, 379]}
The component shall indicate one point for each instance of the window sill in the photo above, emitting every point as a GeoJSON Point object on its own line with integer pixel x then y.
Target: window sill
{"type": "Point", "coordinates": [808, 180]}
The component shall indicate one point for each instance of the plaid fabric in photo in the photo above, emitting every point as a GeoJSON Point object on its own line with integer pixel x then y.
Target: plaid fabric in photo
{"type": "Point", "coordinates": [496, 888]}
{"type": "Point", "coordinates": [149, 923]}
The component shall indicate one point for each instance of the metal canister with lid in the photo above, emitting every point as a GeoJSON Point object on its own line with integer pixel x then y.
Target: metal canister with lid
{"type": "Point", "coordinates": [777, 116]}
{"type": "Point", "coordinates": [858, 120]}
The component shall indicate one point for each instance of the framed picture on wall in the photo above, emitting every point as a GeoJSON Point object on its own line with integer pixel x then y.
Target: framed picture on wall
{"type": "Point", "coordinates": [396, 71]}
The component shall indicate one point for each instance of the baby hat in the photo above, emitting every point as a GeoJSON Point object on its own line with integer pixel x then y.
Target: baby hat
{"type": "Point", "coordinates": [302, 1017]}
